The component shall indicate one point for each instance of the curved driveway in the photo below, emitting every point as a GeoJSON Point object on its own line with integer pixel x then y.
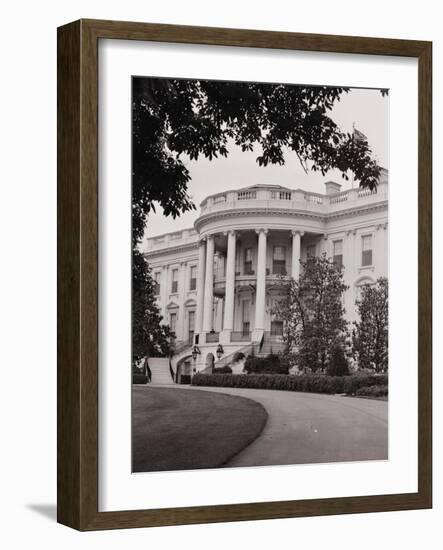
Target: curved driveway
{"type": "Point", "coordinates": [305, 428]}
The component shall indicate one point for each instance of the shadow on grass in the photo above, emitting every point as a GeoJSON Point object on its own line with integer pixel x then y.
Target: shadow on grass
{"type": "Point", "coordinates": [176, 429]}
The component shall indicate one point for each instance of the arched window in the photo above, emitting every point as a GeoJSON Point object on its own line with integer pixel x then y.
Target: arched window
{"type": "Point", "coordinates": [360, 283]}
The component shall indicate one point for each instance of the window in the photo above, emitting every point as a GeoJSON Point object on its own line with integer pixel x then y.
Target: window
{"type": "Point", "coordinates": [172, 322]}
{"type": "Point", "coordinates": [157, 283]}
{"type": "Point", "coordinates": [366, 254]}
{"type": "Point", "coordinates": [247, 266]}
{"type": "Point", "coordinates": [193, 278]}
{"type": "Point", "coordinates": [191, 325]}
{"type": "Point", "coordinates": [276, 328]}
{"type": "Point", "coordinates": [174, 284]}
{"type": "Point", "coordinates": [338, 253]}
{"type": "Point", "coordinates": [245, 317]}
{"type": "Point", "coordinates": [279, 260]}
{"type": "Point", "coordinates": [310, 250]}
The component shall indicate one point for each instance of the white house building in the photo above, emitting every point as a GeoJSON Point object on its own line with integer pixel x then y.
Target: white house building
{"type": "Point", "coordinates": [216, 282]}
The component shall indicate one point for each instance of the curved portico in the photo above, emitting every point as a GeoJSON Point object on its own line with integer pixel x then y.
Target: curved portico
{"type": "Point", "coordinates": [223, 276]}
{"type": "Point", "coordinates": [244, 261]}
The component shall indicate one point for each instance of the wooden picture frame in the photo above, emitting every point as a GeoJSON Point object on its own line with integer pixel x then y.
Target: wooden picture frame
{"type": "Point", "coordinates": [78, 274]}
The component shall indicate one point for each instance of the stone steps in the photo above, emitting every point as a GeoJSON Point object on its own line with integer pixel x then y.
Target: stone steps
{"type": "Point", "coordinates": [160, 373]}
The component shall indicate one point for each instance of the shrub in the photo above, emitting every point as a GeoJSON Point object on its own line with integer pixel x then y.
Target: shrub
{"type": "Point", "coordinates": [357, 381]}
{"type": "Point", "coordinates": [315, 383]}
{"type": "Point", "coordinates": [139, 378]}
{"type": "Point", "coordinates": [338, 364]}
{"type": "Point", "coordinates": [222, 370]}
{"type": "Point", "coordinates": [270, 364]}
{"type": "Point", "coordinates": [373, 391]}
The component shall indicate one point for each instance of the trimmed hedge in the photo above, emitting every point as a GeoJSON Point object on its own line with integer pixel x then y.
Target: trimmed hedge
{"type": "Point", "coordinates": [139, 378]}
{"type": "Point", "coordinates": [315, 383]}
{"type": "Point", "coordinates": [222, 370]}
{"type": "Point", "coordinates": [356, 381]}
{"type": "Point", "coordinates": [270, 364]}
{"type": "Point", "coordinates": [373, 391]}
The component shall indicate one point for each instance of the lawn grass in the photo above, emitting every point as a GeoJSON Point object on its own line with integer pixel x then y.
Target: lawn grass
{"type": "Point", "coordinates": [183, 429]}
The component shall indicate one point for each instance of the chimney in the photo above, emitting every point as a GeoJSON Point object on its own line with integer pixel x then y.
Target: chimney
{"type": "Point", "coordinates": [332, 187]}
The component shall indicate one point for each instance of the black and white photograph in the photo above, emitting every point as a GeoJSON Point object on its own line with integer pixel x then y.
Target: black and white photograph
{"type": "Point", "coordinates": [260, 274]}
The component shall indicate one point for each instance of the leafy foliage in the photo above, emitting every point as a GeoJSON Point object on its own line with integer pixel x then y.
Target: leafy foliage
{"type": "Point", "coordinates": [312, 312]}
{"type": "Point", "coordinates": [370, 335]}
{"type": "Point", "coordinates": [338, 363]}
{"type": "Point", "coordinates": [149, 336]}
{"type": "Point", "coordinates": [139, 378]}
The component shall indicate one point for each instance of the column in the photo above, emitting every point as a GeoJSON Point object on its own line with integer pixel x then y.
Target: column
{"type": "Point", "coordinates": [164, 292]}
{"type": "Point", "coordinates": [228, 321]}
{"type": "Point", "coordinates": [350, 262]}
{"type": "Point", "coordinates": [379, 251]}
{"type": "Point", "coordinates": [296, 242]}
{"type": "Point", "coordinates": [260, 296]}
{"type": "Point", "coordinates": [182, 299]}
{"type": "Point", "coordinates": [200, 286]}
{"type": "Point", "coordinates": [209, 285]}
{"type": "Point", "coordinates": [218, 317]}
{"type": "Point", "coordinates": [383, 272]}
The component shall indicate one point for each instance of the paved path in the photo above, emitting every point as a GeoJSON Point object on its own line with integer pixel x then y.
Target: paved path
{"type": "Point", "coordinates": [307, 428]}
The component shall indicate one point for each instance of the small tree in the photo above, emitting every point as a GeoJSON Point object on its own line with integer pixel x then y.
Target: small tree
{"type": "Point", "coordinates": [150, 338]}
{"type": "Point", "coordinates": [338, 364]}
{"type": "Point", "coordinates": [313, 314]}
{"type": "Point", "coordinates": [370, 334]}
{"type": "Point", "coordinates": [288, 309]}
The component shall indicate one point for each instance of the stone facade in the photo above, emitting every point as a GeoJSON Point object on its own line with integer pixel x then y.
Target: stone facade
{"type": "Point", "coordinates": [215, 282]}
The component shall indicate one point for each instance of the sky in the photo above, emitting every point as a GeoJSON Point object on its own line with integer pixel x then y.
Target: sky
{"type": "Point", "coordinates": [365, 108]}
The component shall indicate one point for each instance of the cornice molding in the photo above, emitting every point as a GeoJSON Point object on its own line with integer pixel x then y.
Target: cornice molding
{"type": "Point", "coordinates": [206, 219]}
{"type": "Point", "coordinates": [188, 247]}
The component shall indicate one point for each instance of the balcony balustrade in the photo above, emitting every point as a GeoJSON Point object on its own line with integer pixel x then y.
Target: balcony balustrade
{"type": "Point", "coordinates": [178, 238]}
{"type": "Point", "coordinates": [273, 272]}
{"type": "Point", "coordinates": [297, 199]}
{"type": "Point", "coordinates": [264, 197]}
{"type": "Point", "coordinates": [278, 269]}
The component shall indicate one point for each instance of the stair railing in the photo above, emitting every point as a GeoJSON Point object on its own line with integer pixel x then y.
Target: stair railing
{"type": "Point", "coordinates": [148, 370]}
{"type": "Point", "coordinates": [229, 358]}
{"type": "Point", "coordinates": [262, 341]}
{"type": "Point", "coordinates": [171, 370]}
